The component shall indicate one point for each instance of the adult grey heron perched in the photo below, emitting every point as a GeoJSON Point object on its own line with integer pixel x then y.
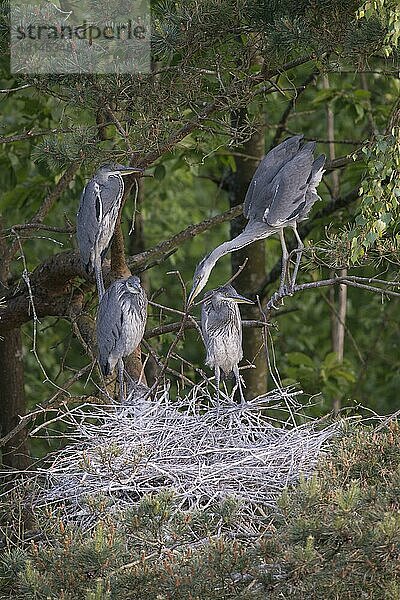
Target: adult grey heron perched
{"type": "Point", "coordinates": [97, 215]}
{"type": "Point", "coordinates": [281, 193]}
{"type": "Point", "coordinates": [221, 326]}
{"type": "Point", "coordinates": [121, 321]}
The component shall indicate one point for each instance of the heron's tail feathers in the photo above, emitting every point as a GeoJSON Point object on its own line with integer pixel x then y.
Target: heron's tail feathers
{"type": "Point", "coordinates": [105, 367]}
{"type": "Point", "coordinates": [308, 147]}
{"type": "Point", "coordinates": [317, 170]}
{"type": "Point", "coordinates": [99, 281]}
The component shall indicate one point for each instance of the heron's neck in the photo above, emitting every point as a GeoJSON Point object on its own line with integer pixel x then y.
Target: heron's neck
{"type": "Point", "coordinates": [252, 232]}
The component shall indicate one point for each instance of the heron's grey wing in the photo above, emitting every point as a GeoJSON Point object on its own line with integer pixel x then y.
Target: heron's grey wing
{"type": "Point", "coordinates": [143, 303]}
{"type": "Point", "coordinates": [258, 196]}
{"type": "Point", "coordinates": [111, 194]}
{"type": "Point", "coordinates": [204, 324]}
{"type": "Point", "coordinates": [109, 325]}
{"type": "Point", "coordinates": [87, 222]}
{"type": "Point", "coordinates": [237, 320]}
{"type": "Point", "coordinates": [311, 197]}
{"type": "Point", "coordinates": [137, 313]}
{"type": "Point", "coordinates": [289, 189]}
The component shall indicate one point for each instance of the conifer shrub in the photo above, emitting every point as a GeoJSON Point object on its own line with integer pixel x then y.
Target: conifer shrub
{"type": "Point", "coordinates": [335, 535]}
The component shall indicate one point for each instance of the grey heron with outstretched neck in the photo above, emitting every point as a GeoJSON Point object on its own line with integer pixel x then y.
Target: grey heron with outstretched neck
{"type": "Point", "coordinates": [281, 193]}
{"type": "Point", "coordinates": [221, 326]}
{"type": "Point", "coordinates": [97, 215]}
{"type": "Point", "coordinates": [121, 321]}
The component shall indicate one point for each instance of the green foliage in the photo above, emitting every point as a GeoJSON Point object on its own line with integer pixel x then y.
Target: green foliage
{"type": "Point", "coordinates": [380, 206]}
{"type": "Point", "coordinates": [351, 512]}
{"type": "Point", "coordinates": [329, 377]}
{"type": "Point", "coordinates": [389, 12]}
{"type": "Point", "coordinates": [336, 535]}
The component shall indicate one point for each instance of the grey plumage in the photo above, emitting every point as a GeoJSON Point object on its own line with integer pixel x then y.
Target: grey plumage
{"type": "Point", "coordinates": [221, 326]}
{"type": "Point", "coordinates": [121, 321]}
{"type": "Point", "coordinates": [259, 195]}
{"type": "Point", "coordinates": [281, 193]}
{"type": "Point", "coordinates": [97, 215]}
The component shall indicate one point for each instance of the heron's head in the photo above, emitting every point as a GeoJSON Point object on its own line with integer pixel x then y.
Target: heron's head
{"type": "Point", "coordinates": [225, 295]}
{"type": "Point", "coordinates": [114, 169]}
{"type": "Point", "coordinates": [133, 284]}
{"type": "Point", "coordinates": [200, 278]}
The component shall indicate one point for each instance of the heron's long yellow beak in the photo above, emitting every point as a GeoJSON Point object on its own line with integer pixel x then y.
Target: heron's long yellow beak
{"type": "Point", "coordinates": [129, 170]}
{"type": "Point", "coordinates": [192, 296]}
{"type": "Point", "coordinates": [241, 300]}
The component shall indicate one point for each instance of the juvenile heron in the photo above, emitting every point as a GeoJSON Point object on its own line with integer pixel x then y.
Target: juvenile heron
{"type": "Point", "coordinates": [281, 193]}
{"type": "Point", "coordinates": [221, 326]}
{"type": "Point", "coordinates": [121, 321]}
{"type": "Point", "coordinates": [97, 215]}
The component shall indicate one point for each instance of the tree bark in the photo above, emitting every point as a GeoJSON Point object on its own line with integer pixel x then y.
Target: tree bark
{"type": "Point", "coordinates": [15, 453]}
{"type": "Point", "coordinates": [250, 279]}
{"type": "Point", "coordinates": [338, 310]}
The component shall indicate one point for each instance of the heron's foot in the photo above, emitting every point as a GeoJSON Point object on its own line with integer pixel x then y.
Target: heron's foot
{"type": "Point", "coordinates": [290, 289]}
{"type": "Point", "coordinates": [276, 300]}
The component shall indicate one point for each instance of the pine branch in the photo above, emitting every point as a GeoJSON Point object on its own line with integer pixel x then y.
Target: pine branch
{"type": "Point", "coordinates": [40, 226]}
{"type": "Point", "coordinates": [28, 135]}
{"type": "Point", "coordinates": [285, 116]}
{"type": "Point", "coordinates": [173, 327]}
{"type": "Point", "coordinates": [50, 283]}
{"type": "Point", "coordinates": [49, 404]}
{"type": "Point", "coordinates": [16, 89]}
{"type": "Point", "coordinates": [363, 283]}
{"type": "Point", "coordinates": [342, 161]}
{"type": "Point", "coordinates": [45, 207]}
{"type": "Point", "coordinates": [220, 102]}
{"type": "Point", "coordinates": [51, 280]}
{"type": "Point", "coordinates": [139, 260]}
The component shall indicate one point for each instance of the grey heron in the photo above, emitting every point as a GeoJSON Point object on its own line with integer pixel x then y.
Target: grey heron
{"type": "Point", "coordinates": [121, 321]}
{"type": "Point", "coordinates": [221, 326]}
{"type": "Point", "coordinates": [97, 215]}
{"type": "Point", "coordinates": [281, 193]}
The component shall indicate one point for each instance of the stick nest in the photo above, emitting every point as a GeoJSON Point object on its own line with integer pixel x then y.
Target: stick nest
{"type": "Point", "coordinates": [202, 453]}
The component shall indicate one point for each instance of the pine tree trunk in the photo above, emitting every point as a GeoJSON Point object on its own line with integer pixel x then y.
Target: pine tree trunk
{"type": "Point", "coordinates": [251, 277]}
{"type": "Point", "coordinates": [15, 453]}
{"type": "Point", "coordinates": [12, 399]}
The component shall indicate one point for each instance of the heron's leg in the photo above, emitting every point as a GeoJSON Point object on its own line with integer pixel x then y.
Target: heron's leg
{"type": "Point", "coordinates": [130, 383]}
{"type": "Point", "coordinates": [239, 384]}
{"type": "Point", "coordinates": [299, 252]}
{"type": "Point", "coordinates": [285, 260]}
{"type": "Point", "coordinates": [217, 380]}
{"type": "Point", "coordinates": [121, 380]}
{"type": "Point", "coordinates": [235, 385]}
{"type": "Point", "coordinates": [99, 281]}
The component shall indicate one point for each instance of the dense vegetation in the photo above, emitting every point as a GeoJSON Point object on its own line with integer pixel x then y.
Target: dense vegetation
{"type": "Point", "coordinates": [229, 81]}
{"type": "Point", "coordinates": [335, 536]}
